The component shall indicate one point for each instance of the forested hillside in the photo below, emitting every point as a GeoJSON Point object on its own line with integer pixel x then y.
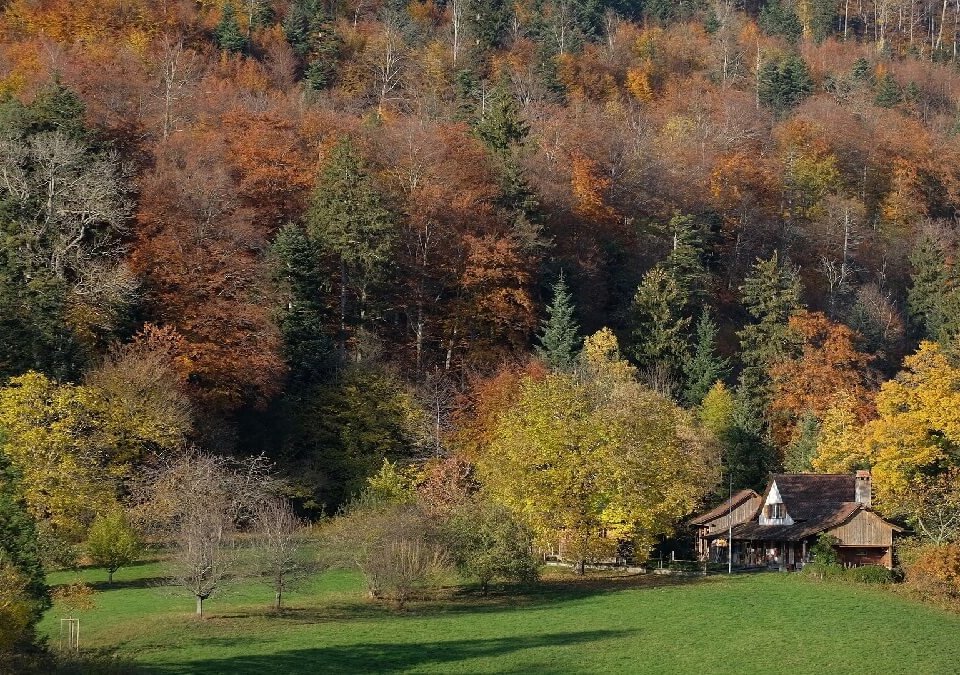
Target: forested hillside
{"type": "Point", "coordinates": [336, 232]}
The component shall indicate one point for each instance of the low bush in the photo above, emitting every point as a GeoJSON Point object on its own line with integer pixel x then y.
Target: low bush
{"type": "Point", "coordinates": [933, 570]}
{"type": "Point", "coordinates": [398, 548]}
{"type": "Point", "coordinates": [869, 574]}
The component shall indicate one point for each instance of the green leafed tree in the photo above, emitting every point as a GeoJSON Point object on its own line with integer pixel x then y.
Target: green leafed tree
{"type": "Point", "coordinates": [112, 542]}
{"type": "Point", "coordinates": [348, 221]}
{"type": "Point", "coordinates": [228, 34]}
{"type": "Point", "coordinates": [659, 327]}
{"type": "Point", "coordinates": [22, 580]}
{"type": "Point", "coordinates": [559, 339]}
{"type": "Point", "coordinates": [783, 82]}
{"type": "Point", "coordinates": [489, 543]}
{"type": "Point", "coordinates": [703, 367]}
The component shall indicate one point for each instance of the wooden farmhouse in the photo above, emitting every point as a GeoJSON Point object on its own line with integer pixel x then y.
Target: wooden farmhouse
{"type": "Point", "coordinates": [777, 529]}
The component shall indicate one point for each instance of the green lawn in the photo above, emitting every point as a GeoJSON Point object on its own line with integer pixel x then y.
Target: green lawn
{"type": "Point", "coordinates": [757, 623]}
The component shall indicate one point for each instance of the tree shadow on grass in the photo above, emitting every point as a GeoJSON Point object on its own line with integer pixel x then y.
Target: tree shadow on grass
{"type": "Point", "coordinates": [124, 584]}
{"type": "Point", "coordinates": [456, 600]}
{"type": "Point", "coordinates": [383, 657]}
{"type": "Point", "coordinates": [451, 601]}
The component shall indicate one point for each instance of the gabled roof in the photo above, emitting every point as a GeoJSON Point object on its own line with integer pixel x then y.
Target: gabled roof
{"type": "Point", "coordinates": [724, 507]}
{"type": "Point", "coordinates": [813, 496]}
{"type": "Point", "coordinates": [796, 532]}
{"type": "Point", "coordinates": [815, 502]}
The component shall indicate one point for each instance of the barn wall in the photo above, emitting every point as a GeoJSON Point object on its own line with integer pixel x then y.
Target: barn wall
{"type": "Point", "coordinates": [864, 529]}
{"type": "Point", "coordinates": [741, 514]}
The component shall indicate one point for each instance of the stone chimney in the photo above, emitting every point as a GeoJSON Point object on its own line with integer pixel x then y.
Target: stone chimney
{"type": "Point", "coordinates": [863, 492]}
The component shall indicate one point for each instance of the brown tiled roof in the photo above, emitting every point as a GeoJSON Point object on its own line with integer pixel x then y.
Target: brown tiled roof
{"type": "Point", "coordinates": [812, 496]}
{"type": "Point", "coordinates": [802, 529]}
{"type": "Point", "coordinates": [724, 507]}
{"type": "Point", "coordinates": [815, 502]}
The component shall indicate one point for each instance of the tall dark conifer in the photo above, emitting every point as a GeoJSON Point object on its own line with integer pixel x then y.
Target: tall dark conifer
{"type": "Point", "coordinates": [559, 338]}
{"type": "Point", "coordinates": [703, 367]}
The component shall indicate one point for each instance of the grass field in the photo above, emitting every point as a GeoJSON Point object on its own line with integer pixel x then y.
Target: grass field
{"type": "Point", "coordinates": [763, 623]}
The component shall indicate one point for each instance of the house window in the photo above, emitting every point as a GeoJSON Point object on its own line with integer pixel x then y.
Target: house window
{"type": "Point", "coordinates": [776, 511]}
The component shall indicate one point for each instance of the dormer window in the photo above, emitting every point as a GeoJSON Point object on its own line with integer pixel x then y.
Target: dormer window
{"type": "Point", "coordinates": [776, 511]}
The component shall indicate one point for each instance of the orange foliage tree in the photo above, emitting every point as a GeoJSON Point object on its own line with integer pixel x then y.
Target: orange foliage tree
{"type": "Point", "coordinates": [827, 361]}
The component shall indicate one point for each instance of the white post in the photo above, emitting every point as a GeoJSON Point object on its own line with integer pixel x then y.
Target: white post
{"type": "Point", "coordinates": [730, 526]}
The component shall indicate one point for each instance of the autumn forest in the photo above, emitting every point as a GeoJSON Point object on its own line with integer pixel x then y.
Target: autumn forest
{"type": "Point", "coordinates": [422, 247]}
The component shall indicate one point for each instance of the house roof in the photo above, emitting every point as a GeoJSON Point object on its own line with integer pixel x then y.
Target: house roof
{"type": "Point", "coordinates": [724, 507]}
{"type": "Point", "coordinates": [800, 530]}
{"type": "Point", "coordinates": [815, 502]}
{"type": "Point", "coordinates": [813, 496]}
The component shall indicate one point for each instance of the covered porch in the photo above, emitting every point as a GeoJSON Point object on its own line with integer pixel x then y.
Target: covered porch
{"type": "Point", "coordinates": [755, 553]}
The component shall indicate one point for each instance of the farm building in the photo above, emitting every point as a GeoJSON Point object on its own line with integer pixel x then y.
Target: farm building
{"type": "Point", "coordinates": [777, 528]}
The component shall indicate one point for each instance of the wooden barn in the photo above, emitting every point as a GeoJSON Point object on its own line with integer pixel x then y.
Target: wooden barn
{"type": "Point", "coordinates": [786, 520]}
{"type": "Point", "coordinates": [739, 508]}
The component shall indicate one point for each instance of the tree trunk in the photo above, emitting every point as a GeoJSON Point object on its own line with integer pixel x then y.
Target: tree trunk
{"type": "Point", "coordinates": [343, 304]}
{"type": "Point", "coordinates": [278, 605]}
{"type": "Point", "coordinates": [110, 576]}
{"type": "Point", "coordinates": [199, 606]}
{"type": "Point", "coordinates": [582, 567]}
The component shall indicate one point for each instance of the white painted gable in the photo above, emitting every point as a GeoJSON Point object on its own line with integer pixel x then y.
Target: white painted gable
{"type": "Point", "coordinates": [773, 497]}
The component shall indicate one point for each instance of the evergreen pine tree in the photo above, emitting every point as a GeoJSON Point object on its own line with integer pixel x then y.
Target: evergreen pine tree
{"type": "Point", "coordinates": [262, 15]}
{"type": "Point", "coordinates": [347, 220]}
{"type": "Point", "coordinates": [927, 281]}
{"type": "Point", "coordinates": [684, 262]}
{"type": "Point", "coordinates": [888, 92]}
{"type": "Point", "coordinates": [559, 338]}
{"type": "Point", "coordinates": [822, 18]}
{"type": "Point", "coordinates": [703, 368]}
{"type": "Point", "coordinates": [861, 70]}
{"type": "Point", "coordinates": [488, 20]}
{"type": "Point", "coordinates": [933, 299]}
{"type": "Point", "coordinates": [297, 25]}
{"type": "Point", "coordinates": [228, 34]}
{"type": "Point", "coordinates": [777, 18]}
{"type": "Point", "coordinates": [323, 53]}
{"type": "Point", "coordinates": [784, 82]}
{"type": "Point", "coordinates": [658, 324]}
{"type": "Point", "coordinates": [307, 348]}
{"type": "Point", "coordinates": [500, 126]}
{"type": "Point", "coordinates": [771, 294]}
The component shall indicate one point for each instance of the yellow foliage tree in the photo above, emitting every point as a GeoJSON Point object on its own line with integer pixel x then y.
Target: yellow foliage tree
{"type": "Point", "coordinates": [52, 433]}
{"type": "Point", "coordinates": [918, 424]}
{"type": "Point", "coordinates": [840, 445]}
{"type": "Point", "coordinates": [16, 607]}
{"type": "Point", "coordinates": [592, 458]}
{"type": "Point", "coordinates": [71, 443]}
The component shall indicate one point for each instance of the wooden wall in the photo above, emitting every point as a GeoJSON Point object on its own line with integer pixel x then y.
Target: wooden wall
{"type": "Point", "coordinates": [864, 529]}
{"type": "Point", "coordinates": [740, 514]}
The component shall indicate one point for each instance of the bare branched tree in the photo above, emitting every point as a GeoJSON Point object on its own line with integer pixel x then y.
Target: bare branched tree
{"type": "Point", "coordinates": [281, 555]}
{"type": "Point", "coordinates": [195, 501]}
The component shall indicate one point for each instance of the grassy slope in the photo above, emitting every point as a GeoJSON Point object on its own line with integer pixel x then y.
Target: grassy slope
{"type": "Point", "coordinates": [770, 622]}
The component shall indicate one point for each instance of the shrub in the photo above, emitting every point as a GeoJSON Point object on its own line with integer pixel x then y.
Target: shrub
{"type": "Point", "coordinates": [488, 543]}
{"type": "Point", "coordinates": [869, 574]}
{"type": "Point", "coordinates": [398, 548]}
{"type": "Point", "coordinates": [819, 570]}
{"type": "Point", "coordinates": [934, 571]}
{"type": "Point", "coordinates": [823, 551]}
